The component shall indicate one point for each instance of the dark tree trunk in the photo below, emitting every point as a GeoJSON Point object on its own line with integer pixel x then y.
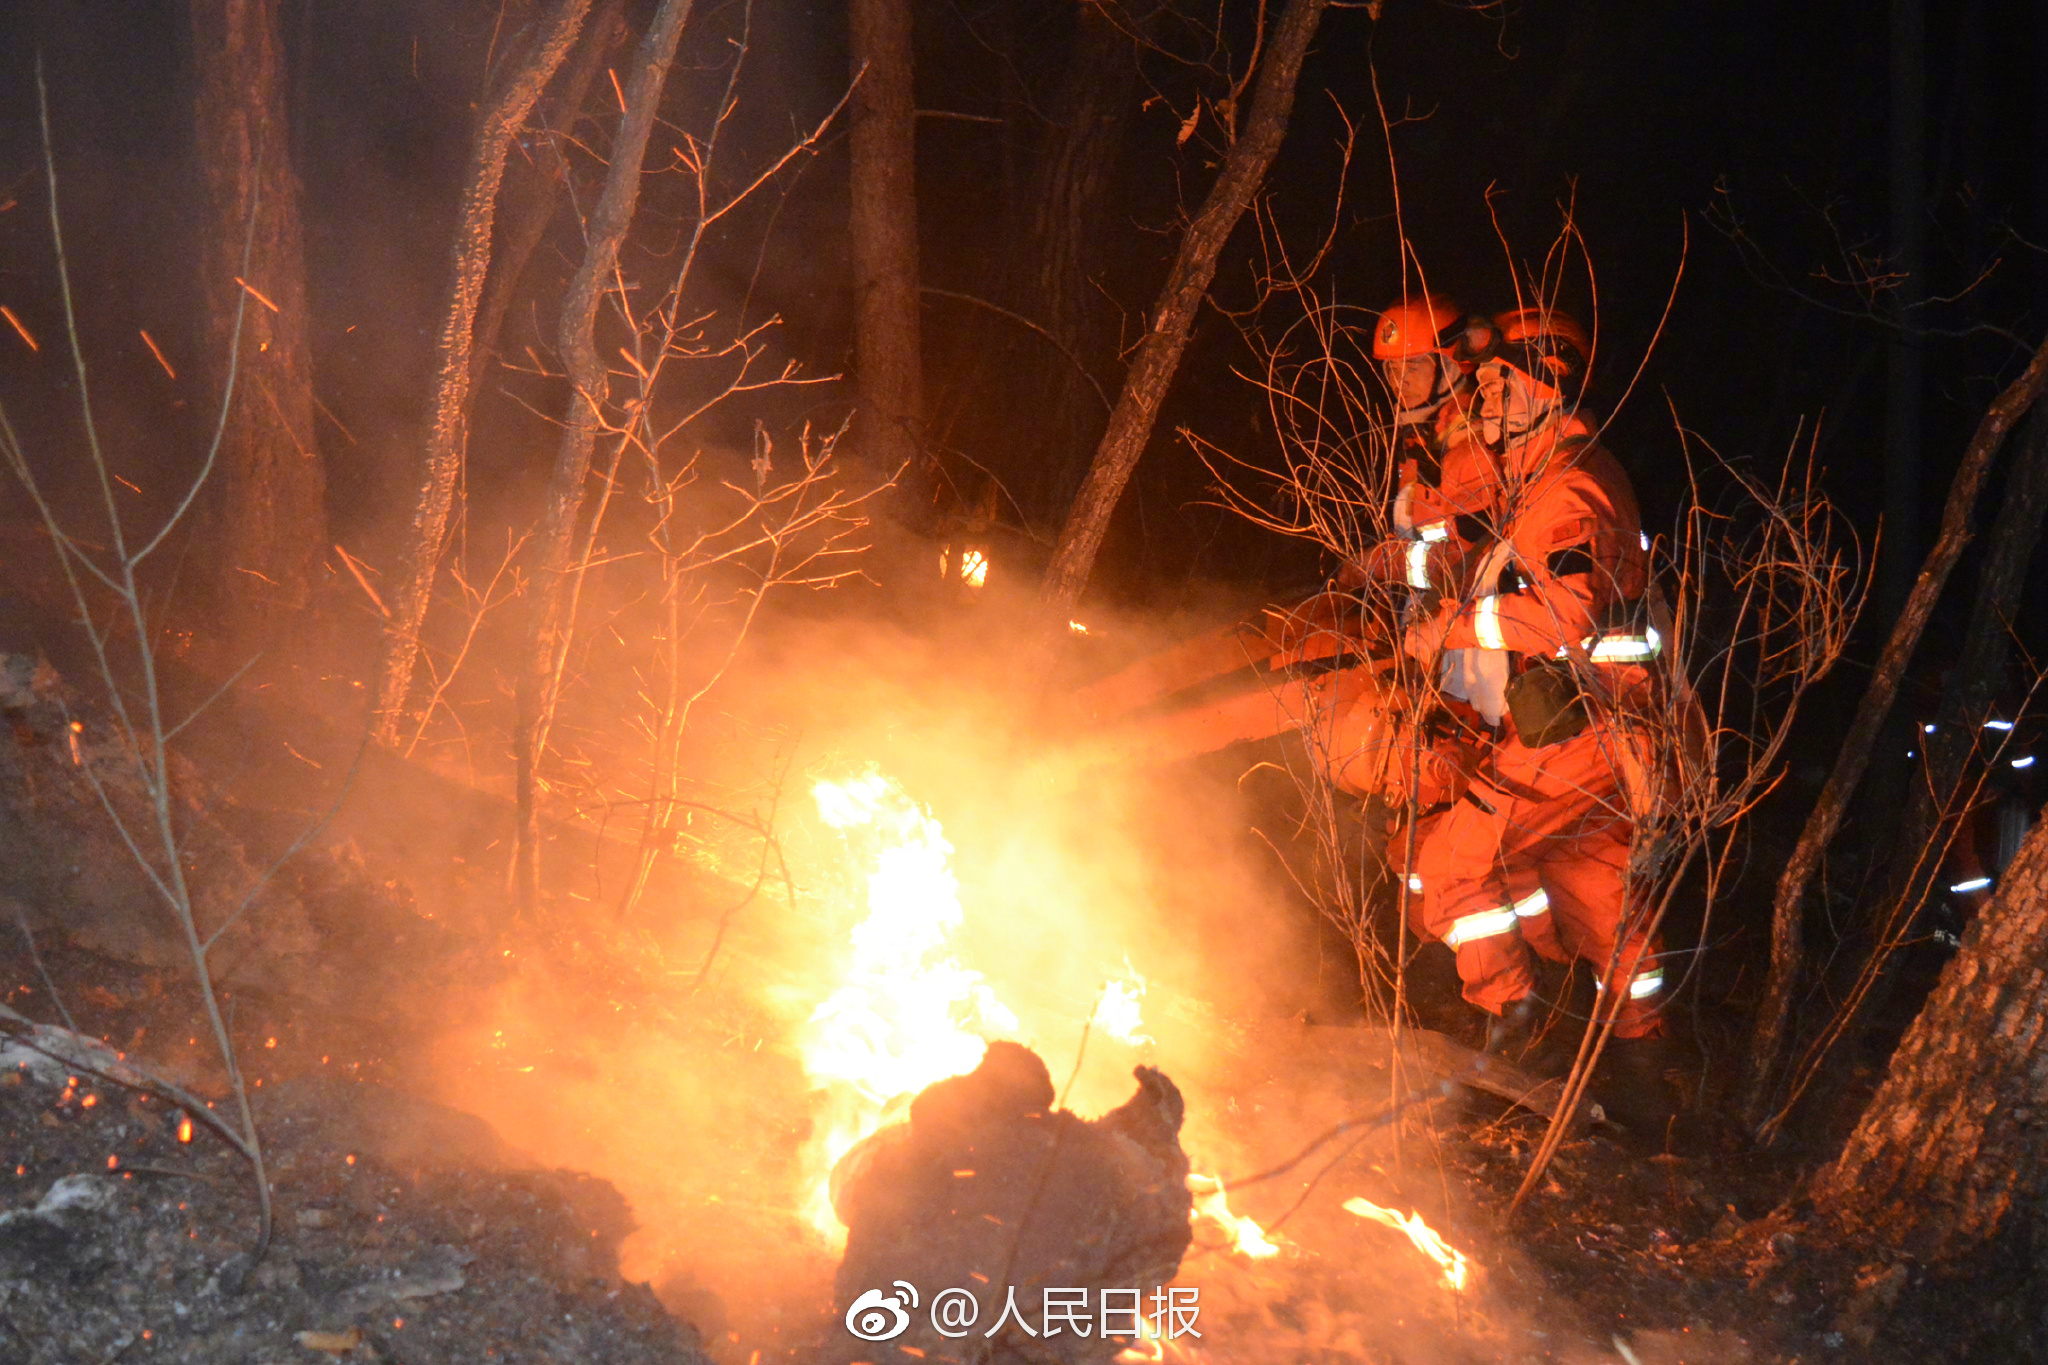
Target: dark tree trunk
{"type": "Point", "coordinates": [1023, 389]}
{"type": "Point", "coordinates": [1940, 797]}
{"type": "Point", "coordinates": [888, 360]}
{"type": "Point", "coordinates": [267, 506]}
{"type": "Point", "coordinates": [1158, 355]}
{"type": "Point", "coordinates": [448, 424]}
{"type": "Point", "coordinates": [1953, 1139]}
{"type": "Point", "coordinates": [533, 183]}
{"type": "Point", "coordinates": [1070, 193]}
{"type": "Point", "coordinates": [1787, 948]}
{"type": "Point", "coordinates": [548, 631]}
{"type": "Point", "coordinates": [1980, 668]}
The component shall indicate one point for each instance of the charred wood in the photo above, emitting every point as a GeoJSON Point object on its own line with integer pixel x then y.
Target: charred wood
{"type": "Point", "coordinates": [988, 1188]}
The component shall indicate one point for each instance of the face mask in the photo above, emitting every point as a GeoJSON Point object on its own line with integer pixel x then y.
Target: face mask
{"type": "Point", "coordinates": [1512, 404]}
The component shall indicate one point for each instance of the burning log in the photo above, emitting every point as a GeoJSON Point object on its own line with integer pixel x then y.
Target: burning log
{"type": "Point", "coordinates": [990, 1196]}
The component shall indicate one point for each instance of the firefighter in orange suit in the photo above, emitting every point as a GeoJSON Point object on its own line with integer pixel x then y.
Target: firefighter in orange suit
{"type": "Point", "coordinates": [1550, 642]}
{"type": "Point", "coordinates": [1427, 348]}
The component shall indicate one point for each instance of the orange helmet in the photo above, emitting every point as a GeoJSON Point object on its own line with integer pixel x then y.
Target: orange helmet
{"type": "Point", "coordinates": [1547, 345]}
{"type": "Point", "coordinates": [1414, 325]}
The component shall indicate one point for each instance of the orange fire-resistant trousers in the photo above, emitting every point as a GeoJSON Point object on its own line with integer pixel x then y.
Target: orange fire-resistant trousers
{"type": "Point", "coordinates": [1535, 858]}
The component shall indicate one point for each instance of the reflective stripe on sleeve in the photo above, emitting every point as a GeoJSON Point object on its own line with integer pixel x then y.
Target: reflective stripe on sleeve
{"type": "Point", "coordinates": [1537, 902]}
{"type": "Point", "coordinates": [1484, 924]}
{"type": "Point", "coordinates": [1486, 622]}
{"type": "Point", "coordinates": [1615, 649]}
{"type": "Point", "coordinates": [1415, 882]}
{"type": "Point", "coordinates": [1418, 564]}
{"type": "Point", "coordinates": [1434, 531]}
{"type": "Point", "coordinates": [1620, 649]}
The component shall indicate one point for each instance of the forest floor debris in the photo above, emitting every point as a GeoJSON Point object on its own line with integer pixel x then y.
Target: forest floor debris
{"type": "Point", "coordinates": [120, 1240]}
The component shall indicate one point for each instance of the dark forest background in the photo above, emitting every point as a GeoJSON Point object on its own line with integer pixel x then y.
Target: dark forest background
{"type": "Point", "coordinates": [1765, 131]}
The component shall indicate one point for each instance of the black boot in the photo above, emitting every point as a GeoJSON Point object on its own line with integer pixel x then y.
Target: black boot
{"type": "Point", "coordinates": [1634, 1089]}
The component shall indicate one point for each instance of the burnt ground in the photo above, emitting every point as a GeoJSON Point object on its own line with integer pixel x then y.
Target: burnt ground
{"type": "Point", "coordinates": [440, 1240]}
{"type": "Point", "coordinates": [403, 1231]}
{"type": "Point", "coordinates": [1692, 1247]}
{"type": "Point", "coordinates": [419, 1234]}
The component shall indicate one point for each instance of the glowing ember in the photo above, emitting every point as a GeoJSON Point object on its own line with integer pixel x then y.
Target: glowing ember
{"type": "Point", "coordinates": [184, 1127]}
{"type": "Point", "coordinates": [1212, 1208]}
{"type": "Point", "coordinates": [1117, 1013]}
{"type": "Point", "coordinates": [907, 1013]}
{"type": "Point", "coordinates": [1448, 1258]}
{"type": "Point", "coordinates": [972, 568]}
{"type": "Point", "coordinates": [1077, 627]}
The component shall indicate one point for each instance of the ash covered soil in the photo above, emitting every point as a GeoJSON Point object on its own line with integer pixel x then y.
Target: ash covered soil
{"type": "Point", "coordinates": [408, 1231]}
{"type": "Point", "coordinates": [119, 1241]}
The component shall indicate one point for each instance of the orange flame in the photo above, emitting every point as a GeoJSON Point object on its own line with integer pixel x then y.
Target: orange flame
{"type": "Point", "coordinates": [1117, 1011]}
{"type": "Point", "coordinates": [1213, 1208]}
{"type": "Point", "coordinates": [907, 1013]}
{"type": "Point", "coordinates": [1448, 1258]}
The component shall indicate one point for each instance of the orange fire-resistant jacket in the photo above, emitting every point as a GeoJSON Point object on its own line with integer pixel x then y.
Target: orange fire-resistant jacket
{"type": "Point", "coordinates": [1569, 558]}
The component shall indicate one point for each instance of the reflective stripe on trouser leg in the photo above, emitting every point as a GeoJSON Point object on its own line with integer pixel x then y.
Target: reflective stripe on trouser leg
{"type": "Point", "coordinates": [1494, 968]}
{"type": "Point", "coordinates": [1640, 1013]}
{"type": "Point", "coordinates": [1533, 919]}
{"type": "Point", "coordinates": [1643, 986]}
{"type": "Point", "coordinates": [1469, 907]}
{"type": "Point", "coordinates": [1482, 924]}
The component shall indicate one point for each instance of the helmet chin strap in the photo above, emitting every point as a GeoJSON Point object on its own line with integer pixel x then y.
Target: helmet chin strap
{"type": "Point", "coordinates": [1506, 435]}
{"type": "Point", "coordinates": [1415, 416]}
{"type": "Point", "coordinates": [1543, 418]}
